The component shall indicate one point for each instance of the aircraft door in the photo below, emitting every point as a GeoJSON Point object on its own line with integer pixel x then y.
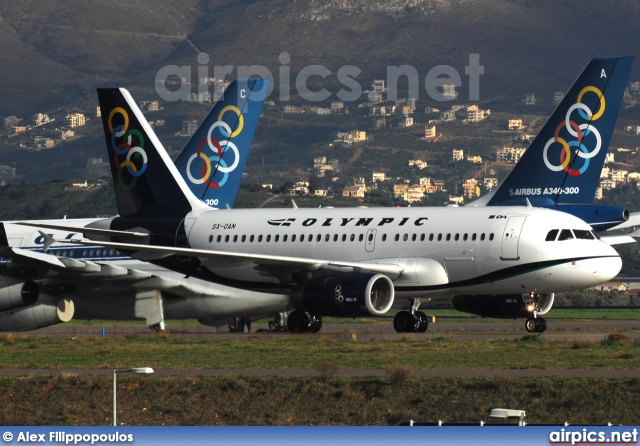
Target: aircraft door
{"type": "Point", "coordinates": [511, 237]}
{"type": "Point", "coordinates": [370, 240]}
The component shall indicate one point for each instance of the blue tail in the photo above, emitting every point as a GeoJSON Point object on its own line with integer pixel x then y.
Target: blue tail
{"type": "Point", "coordinates": [213, 160]}
{"type": "Point", "coordinates": [563, 163]}
{"type": "Point", "coordinates": [146, 182]}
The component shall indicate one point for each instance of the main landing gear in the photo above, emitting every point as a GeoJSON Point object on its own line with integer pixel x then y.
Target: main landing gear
{"type": "Point", "coordinates": [304, 322]}
{"type": "Point", "coordinates": [411, 321]}
{"type": "Point", "coordinates": [240, 325]}
{"type": "Point", "coordinates": [535, 324]}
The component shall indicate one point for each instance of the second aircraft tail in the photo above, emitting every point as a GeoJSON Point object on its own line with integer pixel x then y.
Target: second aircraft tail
{"type": "Point", "coordinates": [563, 163]}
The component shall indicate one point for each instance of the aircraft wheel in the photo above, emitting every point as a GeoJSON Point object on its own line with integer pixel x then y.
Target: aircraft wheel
{"type": "Point", "coordinates": [423, 322]}
{"type": "Point", "coordinates": [316, 325]}
{"type": "Point", "coordinates": [403, 322]}
{"type": "Point", "coordinates": [542, 325]}
{"type": "Point", "coordinates": [531, 325]}
{"type": "Point", "coordinates": [296, 321]}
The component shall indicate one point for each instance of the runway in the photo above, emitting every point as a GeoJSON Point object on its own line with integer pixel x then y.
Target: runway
{"type": "Point", "coordinates": [561, 330]}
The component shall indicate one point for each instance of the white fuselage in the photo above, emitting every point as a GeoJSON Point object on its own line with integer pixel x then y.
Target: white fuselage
{"type": "Point", "coordinates": [450, 250]}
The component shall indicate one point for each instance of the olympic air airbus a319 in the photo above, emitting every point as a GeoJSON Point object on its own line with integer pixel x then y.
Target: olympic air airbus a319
{"type": "Point", "coordinates": [500, 261]}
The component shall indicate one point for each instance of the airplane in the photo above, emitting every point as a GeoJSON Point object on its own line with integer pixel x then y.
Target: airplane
{"type": "Point", "coordinates": [350, 262]}
{"type": "Point", "coordinates": [35, 282]}
{"type": "Point", "coordinates": [277, 291]}
{"type": "Point", "coordinates": [561, 167]}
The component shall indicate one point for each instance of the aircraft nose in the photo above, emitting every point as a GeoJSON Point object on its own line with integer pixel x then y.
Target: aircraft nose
{"type": "Point", "coordinates": [607, 268]}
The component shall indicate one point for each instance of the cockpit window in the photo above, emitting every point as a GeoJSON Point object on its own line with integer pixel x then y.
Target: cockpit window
{"type": "Point", "coordinates": [583, 234]}
{"type": "Point", "coordinates": [565, 234]}
{"type": "Point", "coordinates": [551, 236]}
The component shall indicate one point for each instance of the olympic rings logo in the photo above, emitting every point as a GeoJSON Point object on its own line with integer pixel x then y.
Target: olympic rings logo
{"type": "Point", "coordinates": [211, 164]}
{"type": "Point", "coordinates": [122, 143]}
{"type": "Point", "coordinates": [579, 132]}
{"type": "Point", "coordinates": [338, 294]}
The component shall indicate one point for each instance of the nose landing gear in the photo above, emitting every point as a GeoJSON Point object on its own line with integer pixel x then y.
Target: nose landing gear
{"type": "Point", "coordinates": [535, 324]}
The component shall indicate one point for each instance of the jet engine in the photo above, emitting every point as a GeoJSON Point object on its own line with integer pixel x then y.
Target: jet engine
{"type": "Point", "coordinates": [345, 295]}
{"type": "Point", "coordinates": [23, 307]}
{"type": "Point", "coordinates": [15, 293]}
{"type": "Point", "coordinates": [505, 307]}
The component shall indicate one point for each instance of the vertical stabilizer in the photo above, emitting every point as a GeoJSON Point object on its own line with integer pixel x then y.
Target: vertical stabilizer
{"type": "Point", "coordinates": [563, 163]}
{"type": "Point", "coordinates": [146, 182]}
{"type": "Point", "coordinates": [213, 160]}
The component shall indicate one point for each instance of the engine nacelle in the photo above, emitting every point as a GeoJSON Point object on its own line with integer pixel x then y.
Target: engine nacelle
{"type": "Point", "coordinates": [345, 295]}
{"type": "Point", "coordinates": [49, 310]}
{"type": "Point", "coordinates": [600, 217]}
{"type": "Point", "coordinates": [15, 293]}
{"type": "Point", "coordinates": [504, 307]}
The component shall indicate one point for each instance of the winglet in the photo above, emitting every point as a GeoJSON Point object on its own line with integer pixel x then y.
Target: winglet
{"type": "Point", "coordinates": [48, 240]}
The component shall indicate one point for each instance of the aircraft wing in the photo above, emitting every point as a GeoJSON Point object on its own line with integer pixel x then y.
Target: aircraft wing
{"type": "Point", "coordinates": [148, 253]}
{"type": "Point", "coordinates": [87, 231]}
{"type": "Point", "coordinates": [634, 220]}
{"type": "Point", "coordinates": [618, 239]}
{"type": "Point", "coordinates": [91, 275]}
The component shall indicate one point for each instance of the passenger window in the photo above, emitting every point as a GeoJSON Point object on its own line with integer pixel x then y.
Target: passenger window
{"type": "Point", "coordinates": [384, 237]}
{"type": "Point", "coordinates": [473, 237]}
{"type": "Point", "coordinates": [226, 239]}
{"type": "Point", "coordinates": [210, 238]}
{"type": "Point", "coordinates": [327, 237]}
{"type": "Point", "coordinates": [482, 237]}
{"type": "Point", "coordinates": [335, 237]}
{"type": "Point", "coordinates": [565, 234]}
{"type": "Point", "coordinates": [413, 238]}
{"type": "Point", "coordinates": [551, 235]}
{"type": "Point", "coordinates": [422, 237]}
{"type": "Point", "coordinates": [276, 238]}
{"type": "Point", "coordinates": [344, 237]}
{"type": "Point", "coordinates": [251, 238]}
{"type": "Point", "coordinates": [244, 238]}
{"type": "Point", "coordinates": [491, 236]}
{"type": "Point", "coordinates": [353, 237]}
{"type": "Point", "coordinates": [405, 238]}
{"type": "Point", "coordinates": [268, 238]}
{"type": "Point", "coordinates": [397, 237]}
{"type": "Point", "coordinates": [285, 237]}
{"type": "Point", "coordinates": [430, 237]}
{"type": "Point", "coordinates": [370, 237]}
{"type": "Point", "coordinates": [235, 238]}
{"type": "Point", "coordinates": [218, 238]}
{"type": "Point", "coordinates": [259, 238]}
{"type": "Point", "coordinates": [457, 237]}
{"type": "Point", "coordinates": [360, 237]}
{"type": "Point", "coordinates": [293, 238]}
{"type": "Point", "coordinates": [318, 238]}
{"type": "Point", "coordinates": [439, 237]}
{"type": "Point", "coordinates": [465, 237]}
{"type": "Point", "coordinates": [302, 238]}
{"type": "Point", "coordinates": [448, 237]}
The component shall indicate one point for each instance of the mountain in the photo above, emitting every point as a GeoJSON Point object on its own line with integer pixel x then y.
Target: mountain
{"type": "Point", "coordinates": [524, 45]}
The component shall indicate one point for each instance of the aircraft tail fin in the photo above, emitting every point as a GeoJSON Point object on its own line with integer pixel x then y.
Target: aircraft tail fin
{"type": "Point", "coordinates": [213, 160]}
{"type": "Point", "coordinates": [563, 163]}
{"type": "Point", "coordinates": [146, 182]}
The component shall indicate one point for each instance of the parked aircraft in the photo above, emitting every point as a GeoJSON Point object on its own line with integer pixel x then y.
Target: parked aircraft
{"type": "Point", "coordinates": [35, 282]}
{"type": "Point", "coordinates": [496, 261]}
{"type": "Point", "coordinates": [351, 261]}
{"type": "Point", "coordinates": [561, 168]}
